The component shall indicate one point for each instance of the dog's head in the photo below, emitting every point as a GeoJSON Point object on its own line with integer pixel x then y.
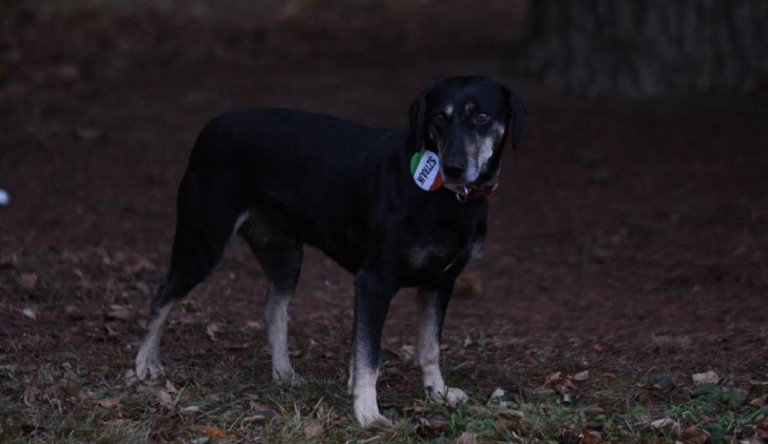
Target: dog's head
{"type": "Point", "coordinates": [466, 120]}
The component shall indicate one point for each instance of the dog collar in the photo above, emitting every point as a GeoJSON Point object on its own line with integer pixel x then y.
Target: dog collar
{"type": "Point", "coordinates": [425, 170]}
{"type": "Point", "coordinates": [474, 192]}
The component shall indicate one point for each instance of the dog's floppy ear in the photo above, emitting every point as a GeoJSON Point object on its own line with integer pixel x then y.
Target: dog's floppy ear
{"type": "Point", "coordinates": [517, 109]}
{"type": "Point", "coordinates": [417, 117]}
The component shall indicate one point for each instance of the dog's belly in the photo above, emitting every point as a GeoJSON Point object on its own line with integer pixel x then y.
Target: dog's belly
{"type": "Point", "coordinates": [425, 263]}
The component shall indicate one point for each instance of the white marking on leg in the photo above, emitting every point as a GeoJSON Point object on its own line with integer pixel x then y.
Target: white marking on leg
{"type": "Point", "coordinates": [240, 221]}
{"type": "Point", "coordinates": [148, 359]}
{"type": "Point", "coordinates": [429, 355]}
{"type": "Point", "coordinates": [477, 249]}
{"type": "Point", "coordinates": [277, 334]}
{"type": "Point", "coordinates": [351, 380]}
{"type": "Point", "coordinates": [365, 407]}
{"type": "Point", "coordinates": [421, 255]}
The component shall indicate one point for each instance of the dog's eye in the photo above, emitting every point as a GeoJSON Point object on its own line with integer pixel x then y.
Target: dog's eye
{"type": "Point", "coordinates": [481, 118]}
{"type": "Point", "coordinates": [439, 120]}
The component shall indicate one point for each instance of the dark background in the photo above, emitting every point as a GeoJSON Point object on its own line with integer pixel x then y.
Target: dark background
{"type": "Point", "coordinates": [629, 233]}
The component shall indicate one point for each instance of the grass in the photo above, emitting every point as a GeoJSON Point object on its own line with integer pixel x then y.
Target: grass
{"type": "Point", "coordinates": [218, 389]}
{"type": "Point", "coordinates": [63, 403]}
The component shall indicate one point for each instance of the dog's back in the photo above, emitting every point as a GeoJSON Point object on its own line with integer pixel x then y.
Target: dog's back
{"type": "Point", "coordinates": [311, 175]}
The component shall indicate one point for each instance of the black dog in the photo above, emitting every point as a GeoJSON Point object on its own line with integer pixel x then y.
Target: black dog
{"type": "Point", "coordinates": [371, 199]}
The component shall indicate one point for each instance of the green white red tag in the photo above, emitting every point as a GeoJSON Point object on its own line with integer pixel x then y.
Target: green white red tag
{"type": "Point", "coordinates": [425, 168]}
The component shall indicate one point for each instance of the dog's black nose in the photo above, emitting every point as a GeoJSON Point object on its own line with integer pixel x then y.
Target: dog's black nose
{"type": "Point", "coordinates": [453, 170]}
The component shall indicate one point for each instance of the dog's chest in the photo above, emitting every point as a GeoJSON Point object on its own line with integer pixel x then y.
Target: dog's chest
{"type": "Point", "coordinates": [435, 258]}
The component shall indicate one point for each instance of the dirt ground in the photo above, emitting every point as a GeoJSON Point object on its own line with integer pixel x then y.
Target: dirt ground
{"type": "Point", "coordinates": [627, 238]}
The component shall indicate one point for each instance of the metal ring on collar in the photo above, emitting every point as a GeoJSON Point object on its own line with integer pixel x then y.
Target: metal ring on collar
{"type": "Point", "coordinates": [462, 194]}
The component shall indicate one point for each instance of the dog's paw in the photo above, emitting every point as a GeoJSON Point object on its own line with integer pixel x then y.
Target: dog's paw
{"type": "Point", "coordinates": [372, 419]}
{"type": "Point", "coordinates": [148, 366]}
{"type": "Point", "coordinates": [452, 396]}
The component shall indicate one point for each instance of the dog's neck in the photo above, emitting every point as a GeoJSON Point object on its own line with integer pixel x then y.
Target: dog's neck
{"type": "Point", "coordinates": [474, 190]}
{"type": "Point", "coordinates": [428, 181]}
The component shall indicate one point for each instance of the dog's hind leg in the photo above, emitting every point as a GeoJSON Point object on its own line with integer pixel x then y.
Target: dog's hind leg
{"type": "Point", "coordinates": [433, 303]}
{"type": "Point", "coordinates": [280, 256]}
{"type": "Point", "coordinates": [205, 223]}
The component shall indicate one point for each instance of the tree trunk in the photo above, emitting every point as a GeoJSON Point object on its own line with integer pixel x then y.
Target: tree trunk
{"type": "Point", "coordinates": [646, 48]}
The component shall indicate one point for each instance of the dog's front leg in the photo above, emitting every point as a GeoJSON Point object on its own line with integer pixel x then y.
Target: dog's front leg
{"type": "Point", "coordinates": [372, 297]}
{"type": "Point", "coordinates": [433, 302]}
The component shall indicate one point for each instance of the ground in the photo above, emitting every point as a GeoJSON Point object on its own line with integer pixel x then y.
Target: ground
{"type": "Point", "coordinates": [627, 247]}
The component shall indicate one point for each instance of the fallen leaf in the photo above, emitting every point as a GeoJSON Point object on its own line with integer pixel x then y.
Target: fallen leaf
{"type": "Point", "coordinates": [120, 312]}
{"type": "Point", "coordinates": [261, 414]}
{"type": "Point", "coordinates": [590, 436]}
{"type": "Point", "coordinates": [130, 378]}
{"type": "Point", "coordinates": [499, 399]}
{"type": "Point", "coordinates": [592, 409]}
{"type": "Point", "coordinates": [657, 381]}
{"type": "Point", "coordinates": [468, 286]}
{"type": "Point", "coordinates": [254, 325]}
{"type": "Point", "coordinates": [467, 438]}
{"type": "Point", "coordinates": [581, 376]}
{"type": "Point", "coordinates": [758, 402]}
{"type": "Point", "coordinates": [542, 391]}
{"type": "Point", "coordinates": [666, 424]}
{"type": "Point", "coordinates": [407, 352]}
{"type": "Point", "coordinates": [434, 424]}
{"type": "Point", "coordinates": [165, 398]}
{"type": "Point", "coordinates": [498, 393]}
{"type": "Point", "coordinates": [694, 435]}
{"type": "Point", "coordinates": [503, 425]}
{"type": "Point", "coordinates": [667, 342]}
{"type": "Point", "coordinates": [211, 432]}
{"type": "Point", "coordinates": [557, 378]}
{"type": "Point", "coordinates": [31, 392]}
{"type": "Point", "coordinates": [141, 264]}
{"type": "Point", "coordinates": [28, 280]}
{"type": "Point", "coordinates": [190, 409]}
{"type": "Point", "coordinates": [189, 318]}
{"type": "Point", "coordinates": [510, 413]}
{"type": "Point", "coordinates": [213, 329]}
{"type": "Point", "coordinates": [30, 313]}
{"type": "Point", "coordinates": [313, 429]}
{"type": "Point", "coordinates": [109, 402]}
{"type": "Point", "coordinates": [170, 387]}
{"type": "Point", "coordinates": [112, 329]}
{"type": "Point", "coordinates": [708, 377]}
{"type": "Point", "coordinates": [73, 311]}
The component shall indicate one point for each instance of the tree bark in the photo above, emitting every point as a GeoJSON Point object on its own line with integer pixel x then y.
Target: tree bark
{"type": "Point", "coordinates": [646, 48]}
